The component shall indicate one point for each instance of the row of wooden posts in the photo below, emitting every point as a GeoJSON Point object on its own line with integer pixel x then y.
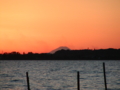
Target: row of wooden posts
{"type": "Point", "coordinates": [78, 79]}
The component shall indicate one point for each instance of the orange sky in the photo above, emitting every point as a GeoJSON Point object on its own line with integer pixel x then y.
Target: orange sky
{"type": "Point", "coordinates": [43, 25]}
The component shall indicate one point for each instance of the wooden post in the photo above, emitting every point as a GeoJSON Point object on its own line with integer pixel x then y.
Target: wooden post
{"type": "Point", "coordinates": [78, 82]}
{"type": "Point", "coordinates": [104, 76]}
{"type": "Point", "coordinates": [28, 85]}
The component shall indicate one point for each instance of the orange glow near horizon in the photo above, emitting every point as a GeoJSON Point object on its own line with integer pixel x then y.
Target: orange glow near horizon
{"type": "Point", "coordinates": [43, 25]}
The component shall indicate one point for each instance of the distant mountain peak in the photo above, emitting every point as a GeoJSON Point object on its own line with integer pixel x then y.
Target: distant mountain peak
{"type": "Point", "coordinates": [59, 48]}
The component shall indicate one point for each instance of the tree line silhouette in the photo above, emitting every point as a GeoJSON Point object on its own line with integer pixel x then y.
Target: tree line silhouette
{"type": "Point", "coordinates": [85, 54]}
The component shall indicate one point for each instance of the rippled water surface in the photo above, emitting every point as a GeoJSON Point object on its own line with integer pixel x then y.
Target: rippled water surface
{"type": "Point", "coordinates": [58, 75]}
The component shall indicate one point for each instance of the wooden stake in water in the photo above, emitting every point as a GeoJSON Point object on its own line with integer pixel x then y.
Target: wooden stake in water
{"type": "Point", "coordinates": [104, 76]}
{"type": "Point", "coordinates": [28, 85]}
{"type": "Point", "coordinates": [78, 82]}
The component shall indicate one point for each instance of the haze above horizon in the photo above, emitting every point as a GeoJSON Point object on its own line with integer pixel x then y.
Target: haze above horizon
{"type": "Point", "coordinates": [44, 25]}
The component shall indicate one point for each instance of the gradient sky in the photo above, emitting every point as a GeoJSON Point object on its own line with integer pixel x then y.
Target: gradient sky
{"type": "Point", "coordinates": [43, 25]}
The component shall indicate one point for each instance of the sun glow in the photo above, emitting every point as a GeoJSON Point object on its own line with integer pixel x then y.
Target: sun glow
{"type": "Point", "coordinates": [41, 26]}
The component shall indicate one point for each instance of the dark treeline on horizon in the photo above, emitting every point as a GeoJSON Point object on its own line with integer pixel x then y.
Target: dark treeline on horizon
{"type": "Point", "coordinates": [85, 54]}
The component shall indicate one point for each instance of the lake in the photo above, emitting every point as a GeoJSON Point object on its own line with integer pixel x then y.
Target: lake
{"type": "Point", "coordinates": [59, 75]}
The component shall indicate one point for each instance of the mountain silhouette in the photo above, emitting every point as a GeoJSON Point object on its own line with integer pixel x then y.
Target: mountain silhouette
{"type": "Point", "coordinates": [59, 48]}
{"type": "Point", "coordinates": [64, 53]}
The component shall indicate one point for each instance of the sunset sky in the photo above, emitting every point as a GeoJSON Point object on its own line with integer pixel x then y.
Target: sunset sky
{"type": "Point", "coordinates": [43, 25]}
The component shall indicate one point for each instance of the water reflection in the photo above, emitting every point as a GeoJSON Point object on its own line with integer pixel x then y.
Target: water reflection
{"type": "Point", "coordinates": [58, 75]}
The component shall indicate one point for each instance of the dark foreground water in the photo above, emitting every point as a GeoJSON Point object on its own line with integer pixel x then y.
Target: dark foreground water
{"type": "Point", "coordinates": [58, 75]}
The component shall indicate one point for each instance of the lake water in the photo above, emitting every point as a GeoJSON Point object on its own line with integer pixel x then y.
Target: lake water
{"type": "Point", "coordinates": [59, 75]}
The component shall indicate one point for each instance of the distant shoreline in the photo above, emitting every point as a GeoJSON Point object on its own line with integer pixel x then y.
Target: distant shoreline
{"type": "Point", "coordinates": [86, 54]}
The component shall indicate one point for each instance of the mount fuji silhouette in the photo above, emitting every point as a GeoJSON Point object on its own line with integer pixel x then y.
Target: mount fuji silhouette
{"type": "Point", "coordinates": [59, 48]}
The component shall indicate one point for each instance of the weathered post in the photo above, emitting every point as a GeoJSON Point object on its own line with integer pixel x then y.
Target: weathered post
{"type": "Point", "coordinates": [78, 82]}
{"type": "Point", "coordinates": [104, 76]}
{"type": "Point", "coordinates": [28, 85]}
